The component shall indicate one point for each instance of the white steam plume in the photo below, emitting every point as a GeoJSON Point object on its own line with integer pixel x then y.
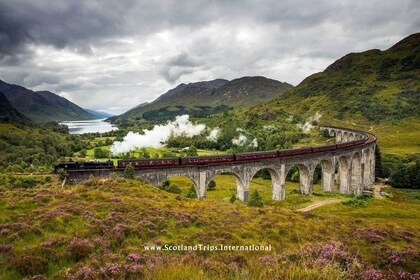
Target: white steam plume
{"type": "Point", "coordinates": [242, 140]}
{"type": "Point", "coordinates": [308, 125]}
{"type": "Point", "coordinates": [213, 134]}
{"type": "Point", "coordinates": [158, 135]}
{"type": "Point", "coordinates": [254, 143]}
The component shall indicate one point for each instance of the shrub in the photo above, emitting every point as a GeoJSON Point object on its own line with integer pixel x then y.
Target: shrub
{"type": "Point", "coordinates": [255, 199]}
{"type": "Point", "coordinates": [212, 185]}
{"type": "Point", "coordinates": [232, 199]}
{"type": "Point", "coordinates": [62, 173]}
{"type": "Point", "coordinates": [173, 189]}
{"type": "Point", "coordinates": [406, 175]}
{"type": "Point", "coordinates": [23, 182]}
{"type": "Point", "coordinates": [82, 153]}
{"type": "Point", "coordinates": [358, 201]}
{"type": "Point", "coordinates": [100, 153]}
{"type": "Point", "coordinates": [164, 185]}
{"type": "Point", "coordinates": [129, 172]}
{"type": "Point", "coordinates": [79, 249]}
{"type": "Point", "coordinates": [47, 179]}
{"type": "Point", "coordinates": [192, 193]}
{"type": "Point", "coordinates": [29, 265]}
{"type": "Point", "coordinates": [192, 151]}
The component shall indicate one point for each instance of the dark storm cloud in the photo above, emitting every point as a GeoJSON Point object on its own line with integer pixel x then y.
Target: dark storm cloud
{"type": "Point", "coordinates": [133, 50]}
{"type": "Point", "coordinates": [58, 23]}
{"type": "Point", "coordinates": [79, 23]}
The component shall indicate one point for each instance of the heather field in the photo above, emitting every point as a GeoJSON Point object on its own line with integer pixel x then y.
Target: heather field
{"type": "Point", "coordinates": [98, 230]}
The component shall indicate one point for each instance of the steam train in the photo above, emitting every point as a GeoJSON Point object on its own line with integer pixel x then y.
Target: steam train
{"type": "Point", "coordinates": [202, 160]}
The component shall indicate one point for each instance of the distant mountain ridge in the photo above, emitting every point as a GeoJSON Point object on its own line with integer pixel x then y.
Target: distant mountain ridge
{"type": "Point", "coordinates": [99, 114]}
{"type": "Point", "coordinates": [206, 95]}
{"type": "Point", "coordinates": [202, 88]}
{"type": "Point", "coordinates": [42, 106]}
{"type": "Point", "coordinates": [8, 113]}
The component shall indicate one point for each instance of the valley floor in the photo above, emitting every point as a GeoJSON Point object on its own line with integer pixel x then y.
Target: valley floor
{"type": "Point", "coordinates": [98, 230]}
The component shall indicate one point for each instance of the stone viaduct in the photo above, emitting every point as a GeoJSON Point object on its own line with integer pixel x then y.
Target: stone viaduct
{"type": "Point", "coordinates": [352, 168]}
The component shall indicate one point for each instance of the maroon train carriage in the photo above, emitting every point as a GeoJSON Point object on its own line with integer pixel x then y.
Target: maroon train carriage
{"type": "Point", "coordinates": [256, 155]}
{"type": "Point", "coordinates": [325, 148]}
{"type": "Point", "coordinates": [206, 159]}
{"type": "Point", "coordinates": [345, 145]}
{"type": "Point", "coordinates": [152, 162]}
{"type": "Point", "coordinates": [359, 142]}
{"type": "Point", "coordinates": [295, 152]}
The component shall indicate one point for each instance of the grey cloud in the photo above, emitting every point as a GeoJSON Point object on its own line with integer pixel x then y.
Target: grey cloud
{"type": "Point", "coordinates": [114, 54]}
{"type": "Point", "coordinates": [178, 65]}
{"type": "Point", "coordinates": [57, 23]}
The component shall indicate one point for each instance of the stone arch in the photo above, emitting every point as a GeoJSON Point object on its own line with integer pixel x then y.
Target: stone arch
{"type": "Point", "coordinates": [351, 137]}
{"type": "Point", "coordinates": [327, 175]}
{"type": "Point", "coordinates": [242, 187]}
{"type": "Point", "coordinates": [331, 132]}
{"type": "Point", "coordinates": [343, 175]}
{"type": "Point", "coordinates": [305, 178]}
{"type": "Point", "coordinates": [277, 188]}
{"type": "Point", "coordinates": [356, 174]}
{"type": "Point", "coordinates": [339, 136]}
{"type": "Point", "coordinates": [345, 136]}
{"type": "Point", "coordinates": [193, 181]}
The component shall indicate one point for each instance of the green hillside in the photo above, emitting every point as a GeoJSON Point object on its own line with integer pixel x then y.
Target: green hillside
{"type": "Point", "coordinates": [374, 90]}
{"type": "Point", "coordinates": [208, 97]}
{"type": "Point", "coordinates": [42, 106]}
{"type": "Point", "coordinates": [8, 113]}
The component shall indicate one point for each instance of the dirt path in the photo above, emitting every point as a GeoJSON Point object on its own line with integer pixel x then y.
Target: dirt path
{"type": "Point", "coordinates": [376, 195]}
{"type": "Point", "coordinates": [319, 204]}
{"type": "Point", "coordinates": [377, 192]}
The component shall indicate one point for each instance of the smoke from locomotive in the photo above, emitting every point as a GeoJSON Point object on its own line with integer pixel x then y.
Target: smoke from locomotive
{"type": "Point", "coordinates": [156, 137]}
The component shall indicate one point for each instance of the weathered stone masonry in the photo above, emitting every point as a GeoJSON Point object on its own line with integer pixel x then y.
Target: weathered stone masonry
{"type": "Point", "coordinates": [355, 166]}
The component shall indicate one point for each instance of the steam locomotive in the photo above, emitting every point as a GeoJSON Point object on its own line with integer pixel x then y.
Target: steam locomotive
{"type": "Point", "coordinates": [202, 160]}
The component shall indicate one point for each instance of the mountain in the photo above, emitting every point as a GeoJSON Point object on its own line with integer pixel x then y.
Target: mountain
{"type": "Point", "coordinates": [8, 113]}
{"type": "Point", "coordinates": [369, 87]}
{"type": "Point", "coordinates": [207, 97]}
{"type": "Point", "coordinates": [98, 114]}
{"type": "Point", "coordinates": [374, 90]}
{"type": "Point", "coordinates": [42, 106]}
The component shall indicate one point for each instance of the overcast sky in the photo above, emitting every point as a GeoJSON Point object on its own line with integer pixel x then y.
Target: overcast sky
{"type": "Point", "coordinates": [113, 55]}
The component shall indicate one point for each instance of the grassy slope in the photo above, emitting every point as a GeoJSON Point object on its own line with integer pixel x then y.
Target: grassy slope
{"type": "Point", "coordinates": [118, 217]}
{"type": "Point", "coordinates": [365, 90]}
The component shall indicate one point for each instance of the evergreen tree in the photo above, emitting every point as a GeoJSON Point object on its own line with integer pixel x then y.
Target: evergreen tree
{"type": "Point", "coordinates": [192, 193]}
{"type": "Point", "coordinates": [255, 199]}
{"type": "Point", "coordinates": [212, 185]}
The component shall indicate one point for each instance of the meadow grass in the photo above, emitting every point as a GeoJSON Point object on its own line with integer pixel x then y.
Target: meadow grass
{"type": "Point", "coordinates": [98, 229]}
